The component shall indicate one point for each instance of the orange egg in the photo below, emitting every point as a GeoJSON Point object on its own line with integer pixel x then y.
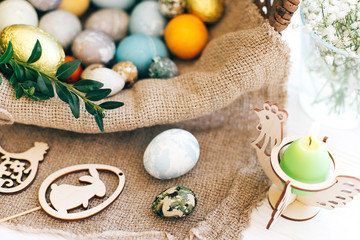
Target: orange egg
{"type": "Point", "coordinates": [76, 75]}
{"type": "Point", "coordinates": [186, 36]}
{"type": "Point", "coordinates": [77, 7]}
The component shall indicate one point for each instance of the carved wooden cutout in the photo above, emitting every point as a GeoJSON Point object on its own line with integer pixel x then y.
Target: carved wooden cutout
{"type": "Point", "coordinates": [336, 191]}
{"type": "Point", "coordinates": [18, 170]}
{"type": "Point", "coordinates": [66, 197]}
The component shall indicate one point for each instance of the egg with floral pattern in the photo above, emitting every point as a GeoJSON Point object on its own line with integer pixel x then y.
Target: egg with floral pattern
{"type": "Point", "coordinates": [171, 8]}
{"type": "Point", "coordinates": [171, 154]}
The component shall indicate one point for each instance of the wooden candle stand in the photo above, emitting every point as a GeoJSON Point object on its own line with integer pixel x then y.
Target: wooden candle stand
{"type": "Point", "coordinates": [336, 191]}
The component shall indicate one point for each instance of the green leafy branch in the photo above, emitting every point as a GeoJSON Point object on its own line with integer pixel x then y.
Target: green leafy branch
{"type": "Point", "coordinates": [38, 86]}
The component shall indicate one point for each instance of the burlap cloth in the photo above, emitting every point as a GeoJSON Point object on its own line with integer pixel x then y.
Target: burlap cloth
{"type": "Point", "coordinates": [245, 64]}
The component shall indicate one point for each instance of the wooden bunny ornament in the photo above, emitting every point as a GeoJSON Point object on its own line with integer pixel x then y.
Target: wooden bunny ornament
{"type": "Point", "coordinates": [66, 197]}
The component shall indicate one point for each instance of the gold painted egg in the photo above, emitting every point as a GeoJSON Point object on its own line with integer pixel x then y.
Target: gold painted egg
{"type": "Point", "coordinates": [208, 11]}
{"type": "Point", "coordinates": [23, 38]}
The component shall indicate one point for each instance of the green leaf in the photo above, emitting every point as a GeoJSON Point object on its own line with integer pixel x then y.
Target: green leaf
{"type": "Point", "coordinates": [111, 105]}
{"type": "Point", "coordinates": [30, 74]}
{"type": "Point", "coordinates": [31, 91]}
{"type": "Point", "coordinates": [74, 105]}
{"type": "Point", "coordinates": [90, 108]}
{"type": "Point", "coordinates": [68, 68]}
{"type": "Point", "coordinates": [97, 95]}
{"type": "Point", "coordinates": [18, 91]}
{"type": "Point", "coordinates": [36, 53]}
{"type": "Point", "coordinates": [39, 97]}
{"type": "Point", "coordinates": [5, 58]}
{"type": "Point", "coordinates": [62, 92]}
{"type": "Point", "coordinates": [87, 85]}
{"type": "Point", "coordinates": [6, 70]}
{"type": "Point", "coordinates": [45, 85]}
{"type": "Point", "coordinates": [0, 79]}
{"type": "Point", "coordinates": [12, 79]}
{"type": "Point", "coordinates": [19, 71]}
{"type": "Point", "coordinates": [99, 122]}
{"type": "Point", "coordinates": [28, 84]}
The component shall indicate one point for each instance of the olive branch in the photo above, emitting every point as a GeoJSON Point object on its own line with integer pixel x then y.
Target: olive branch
{"type": "Point", "coordinates": [36, 85]}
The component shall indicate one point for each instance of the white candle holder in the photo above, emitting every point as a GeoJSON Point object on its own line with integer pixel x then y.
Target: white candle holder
{"type": "Point", "coordinates": [336, 191]}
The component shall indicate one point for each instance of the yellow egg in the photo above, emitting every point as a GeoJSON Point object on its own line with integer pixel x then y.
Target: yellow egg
{"type": "Point", "coordinates": [208, 11]}
{"type": "Point", "coordinates": [23, 38]}
{"type": "Point", "coordinates": [77, 7]}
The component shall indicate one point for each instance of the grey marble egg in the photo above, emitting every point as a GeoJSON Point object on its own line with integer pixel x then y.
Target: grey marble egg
{"type": "Point", "coordinates": [45, 5]}
{"type": "Point", "coordinates": [162, 67]}
{"type": "Point", "coordinates": [171, 8]}
{"type": "Point", "coordinates": [114, 22]}
{"type": "Point", "coordinates": [175, 202]}
{"type": "Point", "coordinates": [61, 24]}
{"type": "Point", "coordinates": [108, 77]}
{"type": "Point", "coordinates": [93, 46]}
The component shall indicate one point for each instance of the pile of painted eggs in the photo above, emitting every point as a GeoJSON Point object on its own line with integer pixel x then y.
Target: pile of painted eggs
{"type": "Point", "coordinates": [119, 40]}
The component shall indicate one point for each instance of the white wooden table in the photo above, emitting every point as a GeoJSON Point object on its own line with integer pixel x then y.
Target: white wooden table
{"type": "Point", "coordinates": [337, 224]}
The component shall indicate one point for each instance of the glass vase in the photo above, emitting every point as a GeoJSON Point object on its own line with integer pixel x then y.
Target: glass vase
{"type": "Point", "coordinates": [330, 87]}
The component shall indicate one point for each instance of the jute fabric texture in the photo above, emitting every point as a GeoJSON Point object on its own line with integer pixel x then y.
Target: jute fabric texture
{"type": "Point", "coordinates": [241, 56]}
{"type": "Point", "coordinates": [244, 64]}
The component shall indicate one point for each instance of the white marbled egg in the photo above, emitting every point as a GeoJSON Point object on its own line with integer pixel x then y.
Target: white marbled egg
{"type": "Point", "coordinates": [17, 12]}
{"type": "Point", "coordinates": [171, 154]}
{"type": "Point", "coordinates": [63, 25]}
{"type": "Point", "coordinates": [45, 5]}
{"type": "Point", "coordinates": [108, 77]}
{"type": "Point", "coordinates": [93, 46]}
{"type": "Point", "coordinates": [114, 22]}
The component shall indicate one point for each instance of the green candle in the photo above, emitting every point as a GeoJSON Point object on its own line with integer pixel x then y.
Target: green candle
{"type": "Point", "coordinates": [306, 160]}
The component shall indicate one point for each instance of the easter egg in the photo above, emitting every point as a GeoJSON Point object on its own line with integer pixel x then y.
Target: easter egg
{"type": "Point", "coordinates": [87, 71]}
{"type": "Point", "coordinates": [171, 8]}
{"type": "Point", "coordinates": [140, 49]}
{"type": "Point", "coordinates": [52, 53]}
{"type": "Point", "coordinates": [128, 71]}
{"type": "Point", "coordinates": [120, 4]}
{"type": "Point", "coordinates": [93, 46]}
{"type": "Point", "coordinates": [147, 19]}
{"type": "Point", "coordinates": [186, 36]}
{"type": "Point", "coordinates": [61, 24]}
{"type": "Point", "coordinates": [108, 77]}
{"type": "Point", "coordinates": [114, 22]}
{"type": "Point", "coordinates": [209, 11]}
{"type": "Point", "coordinates": [77, 7]}
{"type": "Point", "coordinates": [171, 154]}
{"type": "Point", "coordinates": [162, 67]}
{"type": "Point", "coordinates": [76, 75]}
{"type": "Point", "coordinates": [175, 202]}
{"type": "Point", "coordinates": [45, 5]}
{"type": "Point", "coordinates": [17, 12]}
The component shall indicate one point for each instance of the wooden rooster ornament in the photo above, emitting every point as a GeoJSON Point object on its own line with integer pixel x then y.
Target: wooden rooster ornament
{"type": "Point", "coordinates": [336, 191]}
{"type": "Point", "coordinates": [18, 170]}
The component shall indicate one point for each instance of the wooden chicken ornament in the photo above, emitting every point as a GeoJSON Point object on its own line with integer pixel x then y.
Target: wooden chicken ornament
{"type": "Point", "coordinates": [18, 170]}
{"type": "Point", "coordinates": [334, 192]}
{"type": "Point", "coordinates": [59, 201]}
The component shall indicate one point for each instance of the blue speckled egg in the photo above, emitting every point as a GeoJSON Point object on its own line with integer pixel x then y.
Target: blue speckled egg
{"type": "Point", "coordinates": [140, 49]}
{"type": "Point", "coordinates": [119, 4]}
{"type": "Point", "coordinates": [162, 67]}
{"type": "Point", "coordinates": [146, 18]}
{"type": "Point", "coordinates": [171, 154]}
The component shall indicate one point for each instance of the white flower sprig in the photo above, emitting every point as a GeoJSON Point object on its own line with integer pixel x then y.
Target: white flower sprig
{"type": "Point", "coordinates": [335, 21]}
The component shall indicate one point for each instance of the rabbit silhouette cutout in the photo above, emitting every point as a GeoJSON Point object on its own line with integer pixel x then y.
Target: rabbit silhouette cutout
{"type": "Point", "coordinates": [66, 197]}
